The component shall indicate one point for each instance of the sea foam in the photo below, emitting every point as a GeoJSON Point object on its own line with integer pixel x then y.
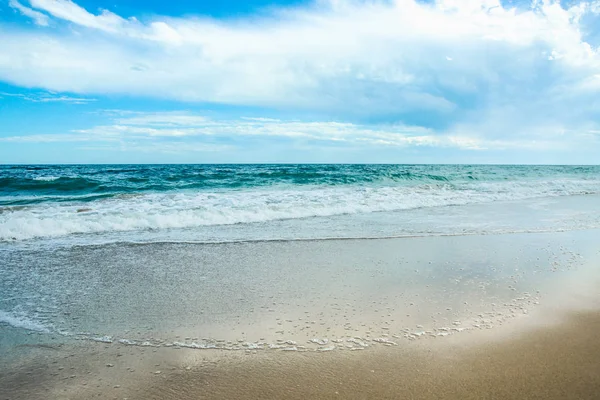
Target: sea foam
{"type": "Point", "coordinates": [189, 209]}
{"type": "Point", "coordinates": [58, 201]}
{"type": "Point", "coordinates": [20, 320]}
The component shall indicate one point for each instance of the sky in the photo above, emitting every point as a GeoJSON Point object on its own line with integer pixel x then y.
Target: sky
{"type": "Point", "coordinates": [325, 81]}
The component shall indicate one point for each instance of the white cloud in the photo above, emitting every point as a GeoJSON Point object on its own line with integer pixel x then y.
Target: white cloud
{"type": "Point", "coordinates": [54, 138]}
{"type": "Point", "coordinates": [186, 131]}
{"type": "Point", "coordinates": [371, 52]}
{"type": "Point", "coordinates": [37, 17]}
{"type": "Point", "coordinates": [45, 97]}
{"type": "Point", "coordinates": [164, 148]}
{"type": "Point", "coordinates": [161, 119]}
{"type": "Point", "coordinates": [69, 11]}
{"type": "Point", "coordinates": [470, 73]}
{"type": "Point", "coordinates": [181, 124]}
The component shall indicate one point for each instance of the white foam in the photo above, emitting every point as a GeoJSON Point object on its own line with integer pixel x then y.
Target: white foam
{"type": "Point", "coordinates": [195, 209]}
{"type": "Point", "coordinates": [20, 320]}
{"type": "Point", "coordinates": [103, 339]}
{"type": "Point", "coordinates": [46, 178]}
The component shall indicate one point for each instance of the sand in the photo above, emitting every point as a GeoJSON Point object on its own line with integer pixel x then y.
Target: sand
{"type": "Point", "coordinates": [545, 349]}
{"type": "Point", "coordinates": [558, 361]}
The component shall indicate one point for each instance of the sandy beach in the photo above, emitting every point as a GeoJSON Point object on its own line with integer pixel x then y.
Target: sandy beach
{"type": "Point", "coordinates": [542, 344]}
{"type": "Point", "coordinates": [558, 361]}
{"type": "Point", "coordinates": [562, 362]}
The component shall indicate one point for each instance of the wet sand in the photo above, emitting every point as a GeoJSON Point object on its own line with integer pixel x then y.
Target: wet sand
{"type": "Point", "coordinates": [557, 361]}
{"type": "Point", "coordinates": [528, 304]}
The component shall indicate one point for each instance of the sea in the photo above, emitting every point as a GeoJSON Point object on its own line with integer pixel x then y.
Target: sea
{"type": "Point", "coordinates": [256, 256]}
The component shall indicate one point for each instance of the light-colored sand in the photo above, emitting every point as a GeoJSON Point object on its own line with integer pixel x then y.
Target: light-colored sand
{"type": "Point", "coordinates": [560, 361]}
{"type": "Point", "coordinates": [549, 350]}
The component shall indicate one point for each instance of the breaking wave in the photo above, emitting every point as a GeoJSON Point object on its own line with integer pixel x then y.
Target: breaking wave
{"type": "Point", "coordinates": [189, 208]}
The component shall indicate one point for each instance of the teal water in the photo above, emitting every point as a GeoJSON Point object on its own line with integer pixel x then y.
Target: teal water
{"type": "Point", "coordinates": [63, 201]}
{"type": "Point", "coordinates": [24, 185]}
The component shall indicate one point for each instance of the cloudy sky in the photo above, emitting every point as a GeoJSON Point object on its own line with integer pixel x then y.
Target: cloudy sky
{"type": "Point", "coordinates": [404, 81]}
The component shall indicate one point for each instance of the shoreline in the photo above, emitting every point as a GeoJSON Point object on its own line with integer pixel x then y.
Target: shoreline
{"type": "Point", "coordinates": [539, 341]}
{"type": "Point", "coordinates": [549, 361]}
{"type": "Point", "coordinates": [271, 292]}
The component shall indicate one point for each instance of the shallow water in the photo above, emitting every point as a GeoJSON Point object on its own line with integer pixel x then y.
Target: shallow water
{"type": "Point", "coordinates": [296, 295]}
{"type": "Point", "coordinates": [411, 252]}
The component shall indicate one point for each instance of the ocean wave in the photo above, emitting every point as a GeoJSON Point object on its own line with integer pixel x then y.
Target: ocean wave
{"type": "Point", "coordinates": [33, 185]}
{"type": "Point", "coordinates": [157, 211]}
{"type": "Point", "coordinates": [21, 320]}
{"type": "Point", "coordinates": [46, 184]}
{"type": "Point", "coordinates": [46, 178]}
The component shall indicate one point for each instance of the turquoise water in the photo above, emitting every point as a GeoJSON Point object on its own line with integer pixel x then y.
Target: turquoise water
{"type": "Point", "coordinates": [25, 185]}
{"type": "Point", "coordinates": [197, 202]}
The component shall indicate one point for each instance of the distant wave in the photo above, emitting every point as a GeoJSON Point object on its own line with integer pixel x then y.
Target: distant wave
{"type": "Point", "coordinates": [45, 184]}
{"type": "Point", "coordinates": [24, 185]}
{"type": "Point", "coordinates": [46, 178]}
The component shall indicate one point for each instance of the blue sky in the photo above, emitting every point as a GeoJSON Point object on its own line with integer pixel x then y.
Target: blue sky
{"type": "Point", "coordinates": [404, 81]}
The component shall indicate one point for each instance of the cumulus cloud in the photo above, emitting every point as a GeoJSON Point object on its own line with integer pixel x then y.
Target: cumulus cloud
{"type": "Point", "coordinates": [37, 17]}
{"type": "Point", "coordinates": [480, 70]}
{"type": "Point", "coordinates": [396, 51]}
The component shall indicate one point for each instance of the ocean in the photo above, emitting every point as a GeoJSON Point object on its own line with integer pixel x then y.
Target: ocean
{"type": "Point", "coordinates": [283, 256]}
{"type": "Point", "coordinates": [207, 203]}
